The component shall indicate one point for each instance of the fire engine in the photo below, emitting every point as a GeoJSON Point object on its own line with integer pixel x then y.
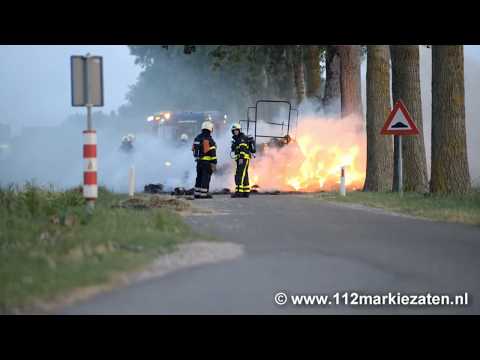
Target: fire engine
{"type": "Point", "coordinates": [183, 126]}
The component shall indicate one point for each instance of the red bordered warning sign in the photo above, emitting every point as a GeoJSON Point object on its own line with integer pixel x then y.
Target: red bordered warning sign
{"type": "Point", "coordinates": [399, 122]}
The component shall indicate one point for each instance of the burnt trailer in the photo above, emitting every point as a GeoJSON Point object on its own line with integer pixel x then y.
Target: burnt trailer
{"type": "Point", "coordinates": [272, 123]}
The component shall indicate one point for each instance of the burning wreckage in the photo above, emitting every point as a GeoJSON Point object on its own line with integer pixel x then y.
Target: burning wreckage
{"type": "Point", "coordinates": [180, 127]}
{"type": "Point", "coordinates": [292, 157]}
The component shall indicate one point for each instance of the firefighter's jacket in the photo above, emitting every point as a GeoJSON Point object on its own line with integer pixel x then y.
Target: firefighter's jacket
{"type": "Point", "coordinates": [204, 148]}
{"type": "Point", "coordinates": [243, 146]}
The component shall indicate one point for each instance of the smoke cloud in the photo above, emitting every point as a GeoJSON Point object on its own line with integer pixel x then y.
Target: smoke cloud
{"type": "Point", "coordinates": [53, 154]}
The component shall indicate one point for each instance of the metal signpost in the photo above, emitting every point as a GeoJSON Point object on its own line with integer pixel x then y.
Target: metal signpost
{"type": "Point", "coordinates": [399, 123]}
{"type": "Point", "coordinates": [87, 90]}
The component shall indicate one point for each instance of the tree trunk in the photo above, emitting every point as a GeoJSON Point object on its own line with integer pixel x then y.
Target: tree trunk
{"type": "Point", "coordinates": [379, 147]}
{"type": "Point", "coordinates": [450, 172]}
{"type": "Point", "coordinates": [406, 87]}
{"type": "Point", "coordinates": [350, 80]}
{"type": "Point", "coordinates": [332, 82]}
{"type": "Point", "coordinates": [299, 76]}
{"type": "Point", "coordinates": [312, 72]}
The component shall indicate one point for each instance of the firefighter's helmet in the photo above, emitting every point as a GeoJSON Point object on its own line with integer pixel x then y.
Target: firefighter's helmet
{"type": "Point", "coordinates": [207, 125]}
{"type": "Point", "coordinates": [236, 126]}
{"type": "Point", "coordinates": [128, 138]}
{"type": "Point", "coordinates": [184, 138]}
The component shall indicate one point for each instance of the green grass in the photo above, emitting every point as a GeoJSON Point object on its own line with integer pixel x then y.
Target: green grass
{"type": "Point", "coordinates": [461, 209]}
{"type": "Point", "coordinates": [49, 245]}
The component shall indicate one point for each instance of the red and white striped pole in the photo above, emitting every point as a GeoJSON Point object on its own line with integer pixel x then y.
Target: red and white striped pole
{"type": "Point", "coordinates": [90, 188]}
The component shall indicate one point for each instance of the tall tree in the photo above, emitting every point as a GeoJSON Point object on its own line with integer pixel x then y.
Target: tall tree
{"type": "Point", "coordinates": [379, 148]}
{"type": "Point", "coordinates": [283, 72]}
{"type": "Point", "coordinates": [312, 71]}
{"type": "Point", "coordinates": [258, 77]}
{"type": "Point", "coordinates": [406, 87]}
{"type": "Point", "coordinates": [350, 79]}
{"type": "Point", "coordinates": [175, 81]}
{"type": "Point", "coordinates": [332, 77]}
{"type": "Point", "coordinates": [450, 172]}
{"type": "Point", "coordinates": [296, 55]}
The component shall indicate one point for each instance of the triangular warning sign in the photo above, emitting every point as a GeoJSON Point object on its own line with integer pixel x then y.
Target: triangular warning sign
{"type": "Point", "coordinates": [399, 122]}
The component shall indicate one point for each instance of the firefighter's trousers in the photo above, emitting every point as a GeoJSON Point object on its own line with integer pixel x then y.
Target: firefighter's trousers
{"type": "Point", "coordinates": [204, 174]}
{"type": "Point", "coordinates": [241, 177]}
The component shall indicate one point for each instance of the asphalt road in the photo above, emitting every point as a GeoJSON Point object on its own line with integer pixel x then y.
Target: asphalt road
{"type": "Point", "coordinates": [302, 245]}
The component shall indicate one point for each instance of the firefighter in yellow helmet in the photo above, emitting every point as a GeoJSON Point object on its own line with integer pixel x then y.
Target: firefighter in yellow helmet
{"type": "Point", "coordinates": [205, 153]}
{"type": "Point", "coordinates": [127, 143]}
{"type": "Point", "coordinates": [243, 147]}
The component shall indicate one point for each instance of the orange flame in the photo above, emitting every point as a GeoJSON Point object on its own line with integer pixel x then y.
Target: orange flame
{"type": "Point", "coordinates": [313, 162]}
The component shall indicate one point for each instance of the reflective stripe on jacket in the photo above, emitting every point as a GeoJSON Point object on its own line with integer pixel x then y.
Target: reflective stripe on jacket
{"type": "Point", "coordinates": [240, 146]}
{"type": "Point", "coordinates": [204, 148]}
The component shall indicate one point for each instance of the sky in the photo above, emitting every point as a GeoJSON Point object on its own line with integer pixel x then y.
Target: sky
{"type": "Point", "coordinates": [35, 81]}
{"type": "Point", "coordinates": [473, 50]}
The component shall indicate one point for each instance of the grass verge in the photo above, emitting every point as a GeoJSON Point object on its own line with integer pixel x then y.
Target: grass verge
{"type": "Point", "coordinates": [49, 245]}
{"type": "Point", "coordinates": [460, 209]}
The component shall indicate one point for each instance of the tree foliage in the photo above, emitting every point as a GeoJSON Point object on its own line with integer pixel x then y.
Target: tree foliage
{"type": "Point", "coordinates": [224, 77]}
{"type": "Point", "coordinates": [172, 80]}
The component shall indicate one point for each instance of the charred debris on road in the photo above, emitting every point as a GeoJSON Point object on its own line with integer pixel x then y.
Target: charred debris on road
{"type": "Point", "coordinates": [159, 189]}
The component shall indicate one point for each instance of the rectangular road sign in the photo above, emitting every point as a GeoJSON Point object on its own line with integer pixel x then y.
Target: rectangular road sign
{"type": "Point", "coordinates": [87, 80]}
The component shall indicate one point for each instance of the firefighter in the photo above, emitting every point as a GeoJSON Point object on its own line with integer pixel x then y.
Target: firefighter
{"type": "Point", "coordinates": [243, 147]}
{"type": "Point", "coordinates": [127, 143]}
{"type": "Point", "coordinates": [205, 153]}
{"type": "Point", "coordinates": [183, 139]}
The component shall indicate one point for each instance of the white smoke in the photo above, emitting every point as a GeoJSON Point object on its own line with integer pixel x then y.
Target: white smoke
{"type": "Point", "coordinates": [158, 161]}
{"type": "Point", "coordinates": [53, 155]}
